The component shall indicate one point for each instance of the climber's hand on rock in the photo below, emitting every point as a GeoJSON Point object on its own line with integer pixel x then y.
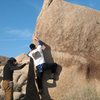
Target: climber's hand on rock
{"type": "Point", "coordinates": [36, 38]}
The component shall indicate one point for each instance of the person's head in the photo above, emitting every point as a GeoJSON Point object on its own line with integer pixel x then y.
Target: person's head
{"type": "Point", "coordinates": [32, 46]}
{"type": "Point", "coordinates": [12, 60]}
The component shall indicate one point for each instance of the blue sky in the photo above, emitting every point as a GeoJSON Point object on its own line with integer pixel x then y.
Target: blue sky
{"type": "Point", "coordinates": [18, 20]}
{"type": "Point", "coordinates": [95, 4]}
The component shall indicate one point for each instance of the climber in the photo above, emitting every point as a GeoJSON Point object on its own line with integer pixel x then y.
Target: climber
{"type": "Point", "coordinates": [37, 55]}
{"type": "Point", "coordinates": [8, 70]}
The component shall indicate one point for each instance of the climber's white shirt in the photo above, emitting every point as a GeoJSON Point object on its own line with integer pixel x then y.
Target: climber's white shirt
{"type": "Point", "coordinates": [37, 55]}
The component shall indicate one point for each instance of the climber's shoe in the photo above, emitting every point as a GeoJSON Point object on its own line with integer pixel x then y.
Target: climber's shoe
{"type": "Point", "coordinates": [53, 76]}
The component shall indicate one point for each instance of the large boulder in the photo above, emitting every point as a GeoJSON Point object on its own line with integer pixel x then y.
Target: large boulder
{"type": "Point", "coordinates": [71, 34]}
{"type": "Point", "coordinates": [20, 76]}
{"type": "Point", "coordinates": [3, 60]}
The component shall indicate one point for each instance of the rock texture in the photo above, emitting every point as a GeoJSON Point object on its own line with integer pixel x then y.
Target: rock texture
{"type": "Point", "coordinates": [72, 37]}
{"type": "Point", "coordinates": [3, 60]}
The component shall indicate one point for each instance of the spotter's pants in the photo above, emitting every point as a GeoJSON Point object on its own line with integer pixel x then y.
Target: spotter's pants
{"type": "Point", "coordinates": [8, 89]}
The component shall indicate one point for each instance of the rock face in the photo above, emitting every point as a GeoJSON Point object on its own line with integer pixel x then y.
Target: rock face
{"type": "Point", "coordinates": [72, 37]}
{"type": "Point", "coordinates": [3, 60]}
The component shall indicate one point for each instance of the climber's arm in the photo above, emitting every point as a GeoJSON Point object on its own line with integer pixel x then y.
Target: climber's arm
{"type": "Point", "coordinates": [40, 42]}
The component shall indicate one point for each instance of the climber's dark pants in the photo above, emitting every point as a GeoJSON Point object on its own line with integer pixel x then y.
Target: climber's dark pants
{"type": "Point", "coordinates": [46, 66]}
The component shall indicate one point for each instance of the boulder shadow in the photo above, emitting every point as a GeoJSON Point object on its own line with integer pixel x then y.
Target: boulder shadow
{"type": "Point", "coordinates": [91, 71]}
{"type": "Point", "coordinates": [31, 89]}
{"type": "Point", "coordinates": [47, 82]}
